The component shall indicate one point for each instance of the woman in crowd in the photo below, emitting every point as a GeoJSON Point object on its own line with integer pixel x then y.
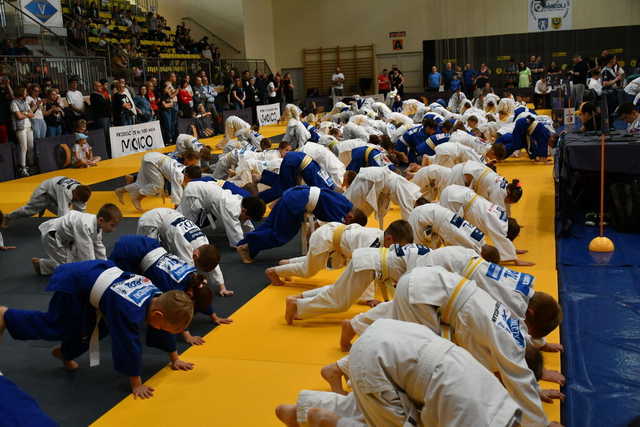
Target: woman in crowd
{"type": "Point", "coordinates": [100, 107]}
{"type": "Point", "coordinates": [185, 99]}
{"type": "Point", "coordinates": [524, 75]}
{"type": "Point", "coordinates": [287, 88]}
{"type": "Point", "coordinates": [143, 106]}
{"type": "Point", "coordinates": [151, 97]}
{"type": "Point", "coordinates": [53, 113]}
{"type": "Point", "coordinates": [36, 104]}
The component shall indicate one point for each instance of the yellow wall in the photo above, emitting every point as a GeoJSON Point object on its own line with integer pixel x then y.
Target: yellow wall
{"type": "Point", "coordinates": [258, 31]}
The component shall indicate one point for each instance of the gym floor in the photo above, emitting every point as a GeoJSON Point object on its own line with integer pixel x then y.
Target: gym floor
{"type": "Point", "coordinates": [244, 370]}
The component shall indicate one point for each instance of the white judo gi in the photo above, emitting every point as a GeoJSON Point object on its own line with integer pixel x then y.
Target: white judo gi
{"type": "Point", "coordinates": [374, 187]}
{"type": "Point", "coordinates": [251, 163]}
{"type": "Point", "coordinates": [155, 168]}
{"type": "Point", "coordinates": [327, 161]}
{"type": "Point", "coordinates": [70, 238]}
{"type": "Point", "coordinates": [385, 265]}
{"type": "Point", "coordinates": [342, 149]}
{"type": "Point", "coordinates": [186, 142]}
{"type": "Point", "coordinates": [487, 216]}
{"type": "Point", "coordinates": [230, 160]}
{"type": "Point", "coordinates": [473, 142]}
{"type": "Point", "coordinates": [381, 109]}
{"type": "Point", "coordinates": [432, 180]}
{"type": "Point", "coordinates": [250, 136]}
{"type": "Point", "coordinates": [232, 125]}
{"type": "Point", "coordinates": [451, 153]}
{"type": "Point", "coordinates": [178, 235]}
{"type": "Point", "coordinates": [208, 201]}
{"type": "Point", "coordinates": [54, 194]}
{"type": "Point", "coordinates": [403, 374]}
{"type": "Point", "coordinates": [486, 182]}
{"type": "Point", "coordinates": [434, 225]}
{"type": "Point", "coordinates": [296, 134]}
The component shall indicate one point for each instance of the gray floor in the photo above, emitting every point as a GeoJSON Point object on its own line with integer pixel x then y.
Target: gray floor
{"type": "Point", "coordinates": [77, 399]}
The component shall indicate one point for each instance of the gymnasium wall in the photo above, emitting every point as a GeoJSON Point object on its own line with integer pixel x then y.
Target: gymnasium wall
{"type": "Point", "coordinates": [258, 31]}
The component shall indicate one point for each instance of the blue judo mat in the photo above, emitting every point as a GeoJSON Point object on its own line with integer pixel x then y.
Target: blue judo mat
{"type": "Point", "coordinates": [600, 297]}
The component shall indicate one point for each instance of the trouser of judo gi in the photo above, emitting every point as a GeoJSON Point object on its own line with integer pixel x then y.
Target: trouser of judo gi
{"type": "Point", "coordinates": [279, 228]}
{"type": "Point", "coordinates": [539, 141]}
{"type": "Point", "coordinates": [343, 406]}
{"type": "Point", "coordinates": [335, 298]}
{"type": "Point", "coordinates": [68, 320]}
{"type": "Point", "coordinates": [36, 205]}
{"type": "Point", "coordinates": [272, 180]}
{"type": "Point", "coordinates": [56, 254]}
{"type": "Point", "coordinates": [19, 409]}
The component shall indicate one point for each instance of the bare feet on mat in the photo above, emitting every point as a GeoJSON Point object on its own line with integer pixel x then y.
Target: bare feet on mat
{"type": "Point", "coordinates": [120, 194]}
{"type": "Point", "coordinates": [128, 179]}
{"type": "Point", "coordinates": [319, 417]}
{"type": "Point", "coordinates": [69, 365]}
{"type": "Point", "coordinates": [136, 203]}
{"type": "Point", "coordinates": [347, 334]}
{"type": "Point", "coordinates": [333, 375]}
{"type": "Point", "coordinates": [291, 309]}
{"type": "Point", "coordinates": [273, 277]}
{"type": "Point", "coordinates": [288, 415]}
{"type": "Point", "coordinates": [243, 251]}
{"type": "Point", "coordinates": [36, 266]}
{"type": "Point", "coordinates": [521, 251]}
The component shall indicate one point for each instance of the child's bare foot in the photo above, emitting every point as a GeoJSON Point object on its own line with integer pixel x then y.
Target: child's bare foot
{"type": "Point", "coordinates": [369, 303]}
{"type": "Point", "coordinates": [283, 262]}
{"type": "Point", "coordinates": [3, 310]}
{"type": "Point", "coordinates": [521, 251]}
{"type": "Point", "coordinates": [291, 309]}
{"type": "Point", "coordinates": [273, 277]}
{"type": "Point", "coordinates": [288, 415]}
{"type": "Point", "coordinates": [136, 203]}
{"type": "Point", "coordinates": [128, 179]}
{"type": "Point", "coordinates": [120, 194]}
{"type": "Point", "coordinates": [333, 375]}
{"type": "Point", "coordinates": [69, 365]}
{"type": "Point", "coordinates": [36, 266]}
{"type": "Point", "coordinates": [243, 251]}
{"type": "Point", "coordinates": [346, 335]}
{"type": "Point", "coordinates": [318, 417]}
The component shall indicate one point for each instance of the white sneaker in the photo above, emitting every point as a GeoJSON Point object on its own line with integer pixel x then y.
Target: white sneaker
{"type": "Point", "coordinates": [23, 172]}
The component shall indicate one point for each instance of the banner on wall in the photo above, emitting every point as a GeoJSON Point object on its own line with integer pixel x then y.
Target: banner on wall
{"type": "Point", "coordinates": [268, 114]}
{"type": "Point", "coordinates": [549, 15]}
{"type": "Point", "coordinates": [135, 138]}
{"type": "Point", "coordinates": [43, 12]}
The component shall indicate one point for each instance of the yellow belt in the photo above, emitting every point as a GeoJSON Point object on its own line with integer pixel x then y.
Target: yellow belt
{"type": "Point", "coordinates": [469, 203]}
{"type": "Point", "coordinates": [484, 173]}
{"type": "Point", "coordinates": [431, 144]}
{"type": "Point", "coordinates": [332, 144]}
{"type": "Point", "coordinates": [337, 236]}
{"type": "Point", "coordinates": [220, 182]}
{"type": "Point", "coordinates": [446, 311]}
{"type": "Point", "coordinates": [366, 154]}
{"type": "Point", "coordinates": [306, 161]}
{"type": "Point", "coordinates": [384, 265]}
{"type": "Point", "coordinates": [472, 265]}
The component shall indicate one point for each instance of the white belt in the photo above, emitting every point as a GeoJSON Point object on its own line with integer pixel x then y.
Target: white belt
{"type": "Point", "coordinates": [314, 195]}
{"type": "Point", "coordinates": [151, 257]}
{"type": "Point", "coordinates": [104, 280]}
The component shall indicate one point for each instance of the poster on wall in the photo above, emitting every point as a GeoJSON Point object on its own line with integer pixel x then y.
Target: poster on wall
{"type": "Point", "coordinates": [268, 114]}
{"type": "Point", "coordinates": [42, 12]}
{"type": "Point", "coordinates": [135, 138]}
{"type": "Point", "coordinates": [549, 15]}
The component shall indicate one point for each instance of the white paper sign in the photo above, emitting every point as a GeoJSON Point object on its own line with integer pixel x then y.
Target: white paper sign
{"type": "Point", "coordinates": [569, 115]}
{"type": "Point", "coordinates": [135, 138]}
{"type": "Point", "coordinates": [549, 15]}
{"type": "Point", "coordinates": [268, 114]}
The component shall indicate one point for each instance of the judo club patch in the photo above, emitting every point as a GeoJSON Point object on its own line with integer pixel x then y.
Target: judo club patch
{"type": "Point", "coordinates": [136, 289]}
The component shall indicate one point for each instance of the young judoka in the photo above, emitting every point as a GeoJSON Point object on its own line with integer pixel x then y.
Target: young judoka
{"type": "Point", "coordinates": [287, 216]}
{"type": "Point", "coordinates": [20, 409]}
{"type": "Point", "coordinates": [431, 179]}
{"type": "Point", "coordinates": [488, 217]}
{"type": "Point", "coordinates": [94, 298]}
{"type": "Point", "coordinates": [408, 142]}
{"type": "Point", "coordinates": [58, 195]}
{"type": "Point", "coordinates": [76, 236]}
{"type": "Point", "coordinates": [194, 173]}
{"type": "Point", "coordinates": [449, 154]}
{"type": "Point", "coordinates": [144, 255]}
{"type": "Point", "coordinates": [328, 161]}
{"type": "Point", "coordinates": [487, 183]}
{"type": "Point", "coordinates": [404, 374]}
{"type": "Point", "coordinates": [231, 126]}
{"type": "Point", "coordinates": [374, 187]}
{"type": "Point", "coordinates": [182, 237]}
{"type": "Point", "coordinates": [296, 134]}
{"type": "Point", "coordinates": [155, 168]}
{"type": "Point", "coordinates": [385, 265]}
{"type": "Point", "coordinates": [186, 143]}
{"type": "Point", "coordinates": [208, 204]}
{"type": "Point", "coordinates": [335, 242]}
{"type": "Point", "coordinates": [253, 136]}
{"type": "Point", "coordinates": [227, 162]}
{"type": "Point", "coordinates": [531, 134]}
{"type": "Point", "coordinates": [434, 226]}
{"type": "Point", "coordinates": [478, 323]}
{"type": "Point", "coordinates": [379, 152]}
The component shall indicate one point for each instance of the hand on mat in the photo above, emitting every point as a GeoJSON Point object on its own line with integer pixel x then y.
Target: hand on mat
{"type": "Point", "coordinates": [6, 248]}
{"type": "Point", "coordinates": [181, 365]}
{"type": "Point", "coordinates": [552, 347]}
{"type": "Point", "coordinates": [225, 293]}
{"type": "Point", "coordinates": [553, 376]}
{"type": "Point", "coordinates": [194, 340]}
{"type": "Point", "coordinates": [521, 251]}
{"type": "Point", "coordinates": [143, 392]}
{"type": "Point", "coordinates": [523, 263]}
{"type": "Point", "coordinates": [221, 320]}
{"type": "Point", "coordinates": [548, 396]}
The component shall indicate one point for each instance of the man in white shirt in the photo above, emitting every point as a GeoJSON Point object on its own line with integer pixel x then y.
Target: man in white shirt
{"type": "Point", "coordinates": [338, 82]}
{"type": "Point", "coordinates": [75, 97]}
{"type": "Point", "coordinates": [632, 90]}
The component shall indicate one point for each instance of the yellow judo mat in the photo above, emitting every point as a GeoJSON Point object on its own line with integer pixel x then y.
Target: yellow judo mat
{"type": "Point", "coordinates": [246, 369]}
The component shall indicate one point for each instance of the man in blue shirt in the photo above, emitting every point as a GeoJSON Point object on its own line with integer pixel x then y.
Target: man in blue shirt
{"type": "Point", "coordinates": [447, 76]}
{"type": "Point", "coordinates": [435, 79]}
{"type": "Point", "coordinates": [467, 76]}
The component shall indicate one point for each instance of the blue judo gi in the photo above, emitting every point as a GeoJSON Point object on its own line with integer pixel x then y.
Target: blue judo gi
{"type": "Point", "coordinates": [71, 318]}
{"type": "Point", "coordinates": [167, 272]}
{"type": "Point", "coordinates": [315, 136]}
{"type": "Point", "coordinates": [375, 157]}
{"type": "Point", "coordinates": [294, 164]}
{"type": "Point", "coordinates": [285, 219]}
{"type": "Point", "coordinates": [17, 408]}
{"type": "Point", "coordinates": [428, 146]}
{"type": "Point", "coordinates": [226, 186]}
{"type": "Point", "coordinates": [536, 143]}
{"type": "Point", "coordinates": [408, 142]}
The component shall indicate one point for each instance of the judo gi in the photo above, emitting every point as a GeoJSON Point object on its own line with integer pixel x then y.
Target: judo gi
{"type": "Point", "coordinates": [92, 299]}
{"type": "Point", "coordinates": [403, 374]}
{"type": "Point", "coordinates": [343, 149]}
{"type": "Point", "coordinates": [144, 255]}
{"type": "Point", "coordinates": [434, 225]}
{"type": "Point", "coordinates": [328, 161]}
{"type": "Point", "coordinates": [314, 135]}
{"type": "Point", "coordinates": [368, 155]}
{"type": "Point", "coordinates": [54, 194]}
{"type": "Point", "coordinates": [186, 142]}
{"type": "Point", "coordinates": [208, 204]}
{"type": "Point", "coordinates": [486, 182]}
{"type": "Point", "coordinates": [432, 180]}
{"type": "Point", "coordinates": [250, 136]}
{"type": "Point", "coordinates": [20, 409]}
{"type": "Point", "coordinates": [487, 216]}
{"type": "Point", "coordinates": [226, 185]}
{"type": "Point", "coordinates": [408, 142]}
{"type": "Point", "coordinates": [449, 154]}
{"type": "Point", "coordinates": [366, 265]}
{"type": "Point", "coordinates": [70, 238]}
{"type": "Point", "coordinates": [473, 142]}
{"type": "Point", "coordinates": [232, 125]}
{"type": "Point", "coordinates": [530, 134]}
{"type": "Point", "coordinates": [296, 134]}
{"type": "Point", "coordinates": [178, 235]}
{"type": "Point", "coordinates": [374, 187]}
{"type": "Point", "coordinates": [286, 217]}
{"type": "Point", "coordinates": [155, 168]}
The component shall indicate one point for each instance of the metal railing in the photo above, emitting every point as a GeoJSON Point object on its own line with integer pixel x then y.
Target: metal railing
{"type": "Point", "coordinates": [30, 69]}
{"type": "Point", "coordinates": [139, 70]}
{"type": "Point", "coordinates": [240, 65]}
{"type": "Point", "coordinates": [211, 34]}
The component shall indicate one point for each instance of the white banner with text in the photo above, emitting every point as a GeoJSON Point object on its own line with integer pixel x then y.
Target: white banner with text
{"type": "Point", "coordinates": [135, 138]}
{"type": "Point", "coordinates": [268, 114]}
{"type": "Point", "coordinates": [549, 15]}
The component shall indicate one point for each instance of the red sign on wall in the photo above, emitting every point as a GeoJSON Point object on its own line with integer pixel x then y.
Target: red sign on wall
{"type": "Point", "coordinates": [398, 44]}
{"type": "Point", "coordinates": [397, 34]}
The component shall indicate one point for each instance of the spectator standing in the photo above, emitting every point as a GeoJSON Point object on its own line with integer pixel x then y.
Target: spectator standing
{"type": "Point", "coordinates": [24, 133]}
{"type": "Point", "coordinates": [167, 112]}
{"type": "Point", "coordinates": [632, 89]}
{"type": "Point", "coordinates": [199, 96]}
{"type": "Point", "coordinates": [447, 76]}
{"type": "Point", "coordinates": [482, 78]}
{"type": "Point", "coordinates": [287, 88]}
{"type": "Point", "coordinates": [511, 71]}
{"type": "Point", "coordinates": [185, 99]}
{"type": "Point", "coordinates": [53, 113]}
{"type": "Point", "coordinates": [594, 83]}
{"type": "Point", "coordinates": [384, 84]}
{"type": "Point", "coordinates": [210, 95]}
{"type": "Point", "coordinates": [75, 99]}
{"type": "Point", "coordinates": [542, 91]}
{"type": "Point", "coordinates": [151, 97]}
{"type": "Point", "coordinates": [36, 104]}
{"type": "Point", "coordinates": [337, 81]}
{"type": "Point", "coordinates": [524, 76]}
{"type": "Point", "coordinates": [6, 96]}
{"type": "Point", "coordinates": [468, 80]}
{"type": "Point", "coordinates": [274, 89]}
{"type": "Point", "coordinates": [610, 80]}
{"type": "Point", "coordinates": [143, 106]}
{"type": "Point", "coordinates": [122, 107]}
{"type": "Point", "coordinates": [99, 107]}
{"type": "Point", "coordinates": [251, 94]}
{"type": "Point", "coordinates": [579, 79]}
{"type": "Point", "coordinates": [238, 95]}
{"type": "Point", "coordinates": [434, 80]}
{"type": "Point", "coordinates": [397, 81]}
{"type": "Point", "coordinates": [261, 88]}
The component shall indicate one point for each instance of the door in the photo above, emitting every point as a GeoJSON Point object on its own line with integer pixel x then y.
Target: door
{"type": "Point", "coordinates": [297, 77]}
{"type": "Point", "coordinates": [409, 63]}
